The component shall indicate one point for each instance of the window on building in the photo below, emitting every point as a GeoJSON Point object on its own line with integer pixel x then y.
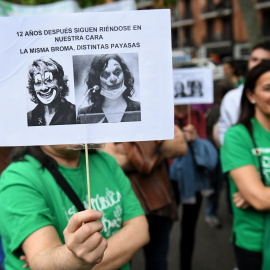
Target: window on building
{"type": "Point", "coordinates": [210, 31]}
{"type": "Point", "coordinates": [223, 4]}
{"type": "Point", "coordinates": [227, 28]}
{"type": "Point", "coordinates": [266, 22]}
{"type": "Point", "coordinates": [188, 36]}
{"type": "Point", "coordinates": [210, 6]}
{"type": "Point", "coordinates": [175, 38]}
{"type": "Point", "coordinates": [188, 12]}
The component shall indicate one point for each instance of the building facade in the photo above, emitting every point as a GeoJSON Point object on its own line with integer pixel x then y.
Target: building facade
{"type": "Point", "coordinates": [212, 28]}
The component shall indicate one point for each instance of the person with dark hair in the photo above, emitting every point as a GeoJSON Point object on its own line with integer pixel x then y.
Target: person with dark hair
{"type": "Point", "coordinates": [48, 88]}
{"type": "Point", "coordinates": [110, 88]}
{"type": "Point", "coordinates": [39, 218]}
{"type": "Point", "coordinates": [233, 72]}
{"type": "Point", "coordinates": [230, 106]}
{"type": "Point", "coordinates": [245, 156]}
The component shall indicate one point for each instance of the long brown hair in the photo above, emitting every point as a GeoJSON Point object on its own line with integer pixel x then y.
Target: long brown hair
{"type": "Point", "coordinates": [18, 154]}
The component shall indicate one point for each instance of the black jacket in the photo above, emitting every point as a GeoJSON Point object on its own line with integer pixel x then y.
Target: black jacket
{"type": "Point", "coordinates": [93, 114]}
{"type": "Point", "coordinates": [65, 115]}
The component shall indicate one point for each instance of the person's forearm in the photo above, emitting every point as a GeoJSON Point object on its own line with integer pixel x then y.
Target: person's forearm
{"type": "Point", "coordinates": [175, 147]}
{"type": "Point", "coordinates": [125, 244]}
{"type": "Point", "coordinates": [261, 200]}
{"type": "Point", "coordinates": [84, 245]}
{"type": "Point", "coordinates": [251, 187]}
{"type": "Point", "coordinates": [58, 258]}
{"type": "Point", "coordinates": [258, 200]}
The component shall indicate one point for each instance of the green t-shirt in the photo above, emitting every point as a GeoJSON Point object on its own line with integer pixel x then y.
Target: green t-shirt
{"type": "Point", "coordinates": [238, 151]}
{"type": "Point", "coordinates": [30, 199]}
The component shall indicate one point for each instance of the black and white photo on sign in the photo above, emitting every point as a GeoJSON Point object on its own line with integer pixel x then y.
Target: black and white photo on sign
{"type": "Point", "coordinates": [188, 88]}
{"type": "Point", "coordinates": [50, 95]}
{"type": "Point", "coordinates": [107, 88]}
{"type": "Point", "coordinates": [192, 86]}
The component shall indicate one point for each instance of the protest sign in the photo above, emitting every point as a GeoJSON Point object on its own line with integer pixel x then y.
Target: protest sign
{"type": "Point", "coordinates": [59, 75]}
{"type": "Point", "coordinates": [192, 86]}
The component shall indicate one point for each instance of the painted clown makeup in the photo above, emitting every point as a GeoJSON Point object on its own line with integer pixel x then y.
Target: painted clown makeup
{"type": "Point", "coordinates": [112, 80]}
{"type": "Point", "coordinates": [46, 86]}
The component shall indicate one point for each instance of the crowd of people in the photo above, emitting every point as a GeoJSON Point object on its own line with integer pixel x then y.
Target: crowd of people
{"type": "Point", "coordinates": [138, 187]}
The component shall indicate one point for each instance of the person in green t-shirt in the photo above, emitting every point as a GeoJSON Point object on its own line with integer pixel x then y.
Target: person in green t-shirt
{"type": "Point", "coordinates": [39, 223]}
{"type": "Point", "coordinates": [246, 146]}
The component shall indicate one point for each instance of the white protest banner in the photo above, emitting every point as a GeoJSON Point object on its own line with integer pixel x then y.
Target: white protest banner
{"type": "Point", "coordinates": [123, 5]}
{"type": "Point", "coordinates": [86, 78]}
{"type": "Point", "coordinates": [10, 9]}
{"type": "Point", "coordinates": [193, 86]}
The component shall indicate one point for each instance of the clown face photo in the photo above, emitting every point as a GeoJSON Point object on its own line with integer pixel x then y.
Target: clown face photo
{"type": "Point", "coordinates": [47, 86]}
{"type": "Point", "coordinates": [111, 91]}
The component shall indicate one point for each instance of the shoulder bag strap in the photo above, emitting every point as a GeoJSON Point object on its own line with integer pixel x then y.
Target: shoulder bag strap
{"type": "Point", "coordinates": [258, 154]}
{"type": "Point", "coordinates": [62, 182]}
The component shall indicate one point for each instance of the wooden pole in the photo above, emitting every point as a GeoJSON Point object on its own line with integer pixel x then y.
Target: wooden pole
{"type": "Point", "coordinates": [87, 174]}
{"type": "Point", "coordinates": [189, 114]}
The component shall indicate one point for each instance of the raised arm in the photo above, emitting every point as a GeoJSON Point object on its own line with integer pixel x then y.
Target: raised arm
{"type": "Point", "coordinates": [251, 187]}
{"type": "Point", "coordinates": [175, 147]}
{"type": "Point", "coordinates": [123, 245]}
{"type": "Point", "coordinates": [84, 246]}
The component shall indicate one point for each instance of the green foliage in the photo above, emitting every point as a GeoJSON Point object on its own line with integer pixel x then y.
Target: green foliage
{"type": "Point", "coordinates": [168, 3]}
{"type": "Point", "coordinates": [89, 3]}
{"type": "Point", "coordinates": [30, 2]}
{"type": "Point", "coordinates": [161, 3]}
{"type": "Point", "coordinates": [82, 3]}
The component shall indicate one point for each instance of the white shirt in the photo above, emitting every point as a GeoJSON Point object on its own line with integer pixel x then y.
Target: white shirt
{"type": "Point", "coordinates": [229, 111]}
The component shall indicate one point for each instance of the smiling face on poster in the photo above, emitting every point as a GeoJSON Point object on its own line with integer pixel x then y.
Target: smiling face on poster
{"type": "Point", "coordinates": [86, 78]}
{"type": "Point", "coordinates": [48, 89]}
{"type": "Point", "coordinates": [193, 86]}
